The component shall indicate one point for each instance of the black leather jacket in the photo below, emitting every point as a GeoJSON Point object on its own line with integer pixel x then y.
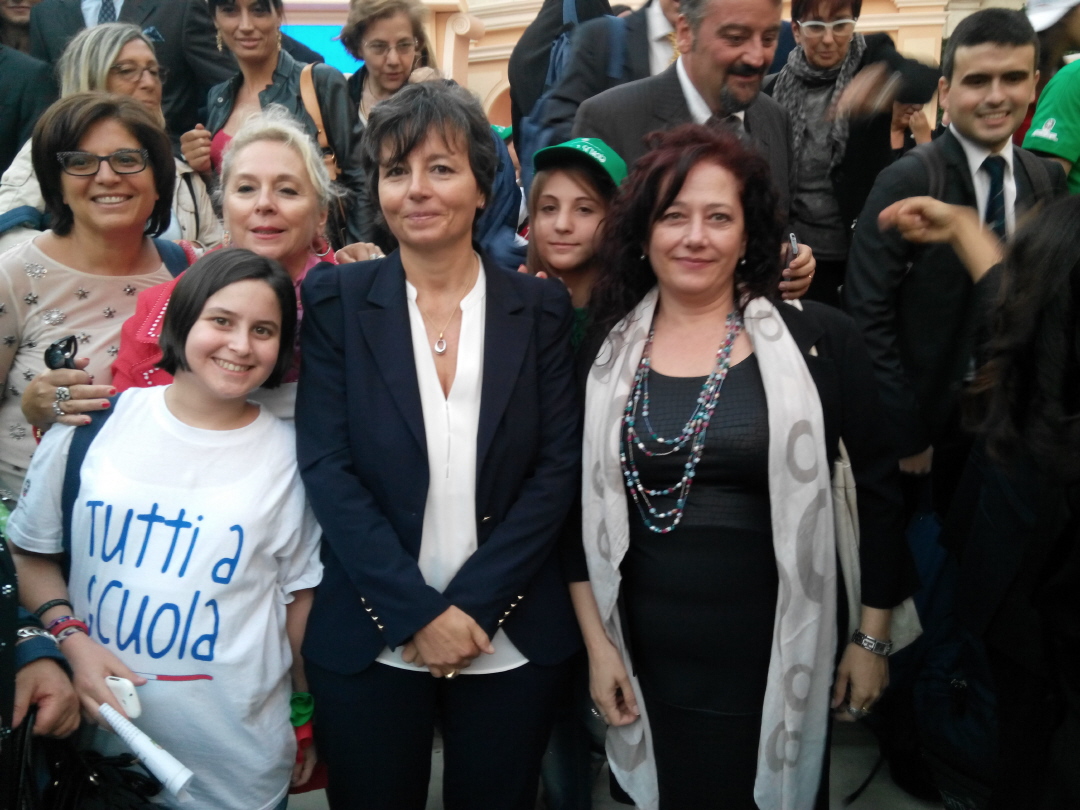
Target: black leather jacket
{"type": "Point", "coordinates": [343, 128]}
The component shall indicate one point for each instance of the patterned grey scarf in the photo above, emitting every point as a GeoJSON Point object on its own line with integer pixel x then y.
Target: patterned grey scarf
{"type": "Point", "coordinates": [798, 75]}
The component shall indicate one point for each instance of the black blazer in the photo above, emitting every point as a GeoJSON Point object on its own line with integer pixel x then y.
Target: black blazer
{"type": "Point", "coordinates": [184, 42]}
{"type": "Point", "coordinates": [587, 71]}
{"type": "Point", "coordinates": [852, 410]}
{"type": "Point", "coordinates": [624, 115]}
{"type": "Point", "coordinates": [916, 305]}
{"type": "Point", "coordinates": [26, 89]}
{"type": "Point", "coordinates": [363, 457]}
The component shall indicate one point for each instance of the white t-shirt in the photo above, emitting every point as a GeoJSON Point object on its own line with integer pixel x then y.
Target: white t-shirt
{"type": "Point", "coordinates": [451, 424]}
{"type": "Point", "coordinates": [186, 546]}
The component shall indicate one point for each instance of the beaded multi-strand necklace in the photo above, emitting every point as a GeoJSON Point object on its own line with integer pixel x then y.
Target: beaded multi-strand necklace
{"type": "Point", "coordinates": [692, 434]}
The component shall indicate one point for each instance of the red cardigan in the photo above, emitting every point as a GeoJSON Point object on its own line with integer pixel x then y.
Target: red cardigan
{"type": "Point", "coordinates": [135, 365]}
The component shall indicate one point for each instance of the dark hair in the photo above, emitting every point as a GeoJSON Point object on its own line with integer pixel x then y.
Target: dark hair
{"type": "Point", "coordinates": [585, 171]}
{"type": "Point", "coordinates": [997, 26]}
{"type": "Point", "coordinates": [403, 121]}
{"type": "Point", "coordinates": [654, 183]}
{"type": "Point", "coordinates": [65, 124]}
{"type": "Point", "coordinates": [362, 13]}
{"type": "Point", "coordinates": [1026, 397]}
{"type": "Point", "coordinates": [801, 8]}
{"type": "Point", "coordinates": [216, 271]}
{"type": "Point", "coordinates": [261, 5]}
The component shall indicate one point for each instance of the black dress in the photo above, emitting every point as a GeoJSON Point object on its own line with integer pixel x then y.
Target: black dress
{"type": "Point", "coordinates": [700, 601]}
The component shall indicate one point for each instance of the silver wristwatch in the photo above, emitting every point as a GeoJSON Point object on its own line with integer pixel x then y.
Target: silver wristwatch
{"type": "Point", "coordinates": [27, 633]}
{"type": "Point", "coordinates": [871, 644]}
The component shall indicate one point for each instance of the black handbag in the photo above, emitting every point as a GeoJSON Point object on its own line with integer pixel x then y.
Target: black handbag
{"type": "Point", "coordinates": [53, 774]}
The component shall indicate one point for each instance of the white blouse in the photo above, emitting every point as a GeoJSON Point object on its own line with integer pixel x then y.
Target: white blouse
{"type": "Point", "coordinates": [451, 424]}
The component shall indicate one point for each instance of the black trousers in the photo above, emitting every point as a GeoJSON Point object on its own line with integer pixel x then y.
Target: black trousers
{"type": "Point", "coordinates": [374, 731]}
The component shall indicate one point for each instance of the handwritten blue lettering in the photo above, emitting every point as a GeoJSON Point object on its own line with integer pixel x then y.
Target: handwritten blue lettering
{"type": "Point", "coordinates": [229, 562]}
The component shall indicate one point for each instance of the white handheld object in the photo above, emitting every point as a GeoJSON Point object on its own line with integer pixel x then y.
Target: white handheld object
{"type": "Point", "coordinates": [124, 692]}
{"type": "Point", "coordinates": [157, 760]}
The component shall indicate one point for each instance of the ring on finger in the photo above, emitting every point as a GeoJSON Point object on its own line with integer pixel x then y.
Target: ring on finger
{"type": "Point", "coordinates": [596, 712]}
{"type": "Point", "coordinates": [451, 674]}
{"type": "Point", "coordinates": [63, 393]}
{"type": "Point", "coordinates": [57, 409]}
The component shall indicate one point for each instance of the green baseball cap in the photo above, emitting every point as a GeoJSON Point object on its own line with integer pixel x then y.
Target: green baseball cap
{"type": "Point", "coordinates": [504, 133]}
{"type": "Point", "coordinates": [593, 148]}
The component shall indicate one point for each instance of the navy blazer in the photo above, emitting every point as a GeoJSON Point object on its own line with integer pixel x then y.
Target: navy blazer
{"type": "Point", "coordinates": [363, 457]}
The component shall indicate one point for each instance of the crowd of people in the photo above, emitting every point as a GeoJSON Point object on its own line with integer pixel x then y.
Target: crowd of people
{"type": "Point", "coordinates": [556, 470]}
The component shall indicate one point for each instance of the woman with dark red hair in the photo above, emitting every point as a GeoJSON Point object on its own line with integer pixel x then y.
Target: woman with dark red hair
{"type": "Point", "coordinates": [709, 540]}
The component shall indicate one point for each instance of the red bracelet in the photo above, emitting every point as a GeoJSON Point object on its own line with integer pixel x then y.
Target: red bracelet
{"type": "Point", "coordinates": [57, 621]}
{"type": "Point", "coordinates": [68, 632]}
{"type": "Point", "coordinates": [57, 628]}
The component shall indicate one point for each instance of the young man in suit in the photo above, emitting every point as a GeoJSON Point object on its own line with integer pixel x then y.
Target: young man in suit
{"type": "Point", "coordinates": [916, 304]}
{"type": "Point", "coordinates": [182, 33]}
{"type": "Point", "coordinates": [726, 48]}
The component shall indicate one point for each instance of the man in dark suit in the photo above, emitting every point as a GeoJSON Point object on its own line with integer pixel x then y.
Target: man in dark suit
{"type": "Point", "coordinates": [27, 87]}
{"type": "Point", "coordinates": [183, 37]}
{"type": "Point", "coordinates": [648, 49]}
{"type": "Point", "coordinates": [716, 79]}
{"type": "Point", "coordinates": [916, 305]}
{"type": "Point", "coordinates": [726, 49]}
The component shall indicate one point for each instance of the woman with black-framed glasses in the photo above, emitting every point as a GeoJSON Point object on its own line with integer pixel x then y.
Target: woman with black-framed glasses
{"type": "Point", "coordinates": [838, 87]}
{"type": "Point", "coordinates": [114, 58]}
{"type": "Point", "coordinates": [106, 171]}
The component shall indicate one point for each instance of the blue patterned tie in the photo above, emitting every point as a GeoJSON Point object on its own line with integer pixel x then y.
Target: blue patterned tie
{"type": "Point", "coordinates": [107, 13]}
{"type": "Point", "coordinates": [995, 201]}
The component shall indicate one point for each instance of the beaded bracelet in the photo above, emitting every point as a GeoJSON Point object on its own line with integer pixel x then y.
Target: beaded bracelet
{"type": "Point", "coordinates": [302, 706]}
{"type": "Point", "coordinates": [50, 605]}
{"type": "Point", "coordinates": [57, 621]}
{"type": "Point", "coordinates": [67, 632]}
{"type": "Point", "coordinates": [60, 627]}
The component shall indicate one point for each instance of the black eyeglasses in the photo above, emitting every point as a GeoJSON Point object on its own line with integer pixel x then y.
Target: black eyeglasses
{"type": "Point", "coordinates": [122, 161]}
{"type": "Point", "coordinates": [132, 74]}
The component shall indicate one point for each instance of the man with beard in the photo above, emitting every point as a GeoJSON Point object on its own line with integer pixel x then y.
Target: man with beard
{"type": "Point", "coordinates": [726, 48]}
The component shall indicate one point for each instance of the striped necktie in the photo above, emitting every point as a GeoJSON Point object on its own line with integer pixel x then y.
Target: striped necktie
{"type": "Point", "coordinates": [995, 200]}
{"type": "Point", "coordinates": [107, 13]}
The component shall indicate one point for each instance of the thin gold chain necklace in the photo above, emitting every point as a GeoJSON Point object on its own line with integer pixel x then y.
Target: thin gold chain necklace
{"type": "Point", "coordinates": [439, 346]}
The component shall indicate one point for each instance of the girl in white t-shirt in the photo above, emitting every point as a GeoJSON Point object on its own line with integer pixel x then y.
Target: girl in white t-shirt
{"type": "Point", "coordinates": [193, 551]}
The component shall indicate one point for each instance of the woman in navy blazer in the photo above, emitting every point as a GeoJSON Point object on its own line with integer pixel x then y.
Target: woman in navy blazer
{"type": "Point", "coordinates": [439, 441]}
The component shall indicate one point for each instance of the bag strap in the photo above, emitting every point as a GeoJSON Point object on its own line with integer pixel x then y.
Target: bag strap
{"type": "Point", "coordinates": [933, 160]}
{"type": "Point", "coordinates": [569, 12]}
{"type": "Point", "coordinates": [194, 202]}
{"type": "Point", "coordinates": [310, 101]}
{"type": "Point", "coordinates": [80, 443]}
{"type": "Point", "coordinates": [616, 47]}
{"type": "Point", "coordinates": [172, 256]}
{"type": "Point", "coordinates": [1037, 172]}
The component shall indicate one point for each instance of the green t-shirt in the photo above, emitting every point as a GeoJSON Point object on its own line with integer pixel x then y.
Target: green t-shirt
{"type": "Point", "coordinates": [1055, 128]}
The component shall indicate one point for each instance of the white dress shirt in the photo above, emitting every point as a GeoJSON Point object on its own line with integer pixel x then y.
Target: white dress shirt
{"type": "Point", "coordinates": [450, 424]}
{"type": "Point", "coordinates": [980, 178]}
{"type": "Point", "coordinates": [699, 108]}
{"type": "Point", "coordinates": [92, 8]}
{"type": "Point", "coordinates": [659, 32]}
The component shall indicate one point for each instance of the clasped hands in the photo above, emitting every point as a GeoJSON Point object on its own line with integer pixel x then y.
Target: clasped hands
{"type": "Point", "coordinates": [447, 644]}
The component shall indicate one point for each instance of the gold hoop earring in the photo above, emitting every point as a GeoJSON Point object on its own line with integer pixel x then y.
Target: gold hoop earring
{"type": "Point", "coordinates": [220, 42]}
